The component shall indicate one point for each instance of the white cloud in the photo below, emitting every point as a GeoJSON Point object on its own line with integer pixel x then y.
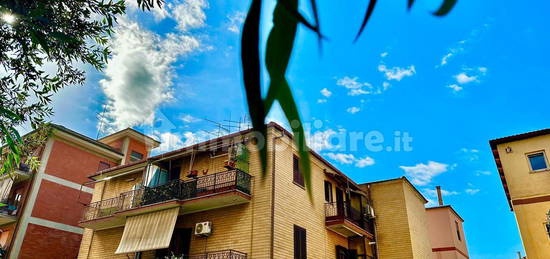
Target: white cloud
{"type": "Point", "coordinates": [139, 74]}
{"type": "Point", "coordinates": [470, 154]}
{"type": "Point", "coordinates": [471, 191]}
{"type": "Point", "coordinates": [365, 161]}
{"type": "Point", "coordinates": [353, 110]}
{"type": "Point", "coordinates": [386, 85]}
{"type": "Point", "coordinates": [169, 141]}
{"type": "Point", "coordinates": [325, 92]}
{"type": "Point", "coordinates": [349, 159]}
{"type": "Point", "coordinates": [433, 192]}
{"type": "Point", "coordinates": [422, 174]}
{"type": "Point", "coordinates": [482, 172]}
{"type": "Point", "coordinates": [396, 73]}
{"type": "Point", "coordinates": [463, 78]}
{"type": "Point", "coordinates": [189, 118]}
{"type": "Point", "coordinates": [320, 140]}
{"type": "Point", "coordinates": [235, 21]}
{"type": "Point", "coordinates": [351, 82]}
{"type": "Point", "coordinates": [342, 158]}
{"type": "Point", "coordinates": [455, 87]}
{"type": "Point", "coordinates": [384, 54]}
{"type": "Point", "coordinates": [189, 14]}
{"type": "Point", "coordinates": [322, 100]}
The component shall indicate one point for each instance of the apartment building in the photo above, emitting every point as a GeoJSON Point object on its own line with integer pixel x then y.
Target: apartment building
{"type": "Point", "coordinates": [210, 200]}
{"type": "Point", "coordinates": [522, 164]}
{"type": "Point", "coordinates": [41, 210]}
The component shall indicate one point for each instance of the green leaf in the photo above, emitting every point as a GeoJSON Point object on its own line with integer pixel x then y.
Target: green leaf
{"type": "Point", "coordinates": [445, 8]}
{"type": "Point", "coordinates": [410, 4]}
{"type": "Point", "coordinates": [278, 52]}
{"type": "Point", "coordinates": [287, 4]}
{"type": "Point", "coordinates": [368, 13]}
{"type": "Point", "coordinates": [317, 23]}
{"type": "Point", "coordinates": [250, 59]}
{"type": "Point", "coordinates": [10, 114]}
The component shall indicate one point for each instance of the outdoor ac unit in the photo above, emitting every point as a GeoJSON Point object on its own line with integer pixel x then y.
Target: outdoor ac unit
{"type": "Point", "coordinates": [371, 211]}
{"type": "Point", "coordinates": [203, 229]}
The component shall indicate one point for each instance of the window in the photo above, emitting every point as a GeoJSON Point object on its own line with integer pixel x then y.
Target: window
{"type": "Point", "coordinates": [135, 156]}
{"type": "Point", "coordinates": [103, 166]}
{"type": "Point", "coordinates": [458, 231]}
{"type": "Point", "coordinates": [300, 249]}
{"type": "Point", "coordinates": [298, 177]}
{"type": "Point", "coordinates": [537, 161]}
{"type": "Point", "coordinates": [328, 191]}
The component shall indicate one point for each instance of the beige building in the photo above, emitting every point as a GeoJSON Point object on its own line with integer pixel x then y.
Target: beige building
{"type": "Point", "coordinates": [522, 163]}
{"type": "Point", "coordinates": [210, 200]}
{"type": "Point", "coordinates": [446, 231]}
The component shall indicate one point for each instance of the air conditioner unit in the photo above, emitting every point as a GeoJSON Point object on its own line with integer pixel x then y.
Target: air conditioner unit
{"type": "Point", "coordinates": [203, 229]}
{"type": "Point", "coordinates": [370, 211]}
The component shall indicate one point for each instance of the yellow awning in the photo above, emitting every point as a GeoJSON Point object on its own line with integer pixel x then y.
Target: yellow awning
{"type": "Point", "coordinates": [149, 231]}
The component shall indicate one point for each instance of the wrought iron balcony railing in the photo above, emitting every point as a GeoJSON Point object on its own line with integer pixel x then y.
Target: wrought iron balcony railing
{"type": "Point", "coordinates": [224, 254]}
{"type": "Point", "coordinates": [343, 210]}
{"type": "Point", "coordinates": [175, 190]}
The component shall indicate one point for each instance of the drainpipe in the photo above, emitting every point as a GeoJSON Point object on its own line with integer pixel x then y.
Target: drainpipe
{"type": "Point", "coordinates": [271, 249]}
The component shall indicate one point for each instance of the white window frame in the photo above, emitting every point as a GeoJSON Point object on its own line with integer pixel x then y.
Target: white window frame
{"type": "Point", "coordinates": [527, 155]}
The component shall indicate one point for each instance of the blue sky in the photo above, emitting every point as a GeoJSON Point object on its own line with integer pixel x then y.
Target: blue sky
{"type": "Point", "coordinates": [451, 83]}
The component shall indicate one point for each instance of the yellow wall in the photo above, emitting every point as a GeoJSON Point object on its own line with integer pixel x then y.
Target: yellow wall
{"type": "Point", "coordinates": [401, 224]}
{"type": "Point", "coordinates": [521, 182]}
{"type": "Point", "coordinates": [524, 184]}
{"type": "Point", "coordinates": [247, 227]}
{"type": "Point", "coordinates": [533, 233]}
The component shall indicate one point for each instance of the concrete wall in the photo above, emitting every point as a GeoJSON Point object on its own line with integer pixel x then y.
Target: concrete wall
{"type": "Point", "coordinates": [401, 224]}
{"type": "Point", "coordinates": [443, 234]}
{"type": "Point", "coordinates": [529, 191]}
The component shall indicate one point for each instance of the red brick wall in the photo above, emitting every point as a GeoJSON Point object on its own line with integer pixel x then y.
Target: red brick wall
{"type": "Point", "coordinates": [117, 144]}
{"type": "Point", "coordinates": [72, 163]}
{"type": "Point", "coordinates": [135, 145]}
{"type": "Point", "coordinates": [44, 242]}
{"type": "Point", "coordinates": [59, 203]}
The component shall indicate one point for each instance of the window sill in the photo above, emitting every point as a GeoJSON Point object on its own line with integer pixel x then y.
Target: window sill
{"type": "Point", "coordinates": [540, 171]}
{"type": "Point", "coordinates": [299, 185]}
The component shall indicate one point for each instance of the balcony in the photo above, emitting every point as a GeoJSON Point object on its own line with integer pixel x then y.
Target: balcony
{"type": "Point", "coordinates": [208, 192]}
{"type": "Point", "coordinates": [347, 221]}
{"type": "Point", "coordinates": [224, 254]}
{"type": "Point", "coordinates": [8, 213]}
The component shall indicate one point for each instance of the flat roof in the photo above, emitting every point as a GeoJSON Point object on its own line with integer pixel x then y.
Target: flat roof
{"type": "Point", "coordinates": [446, 206]}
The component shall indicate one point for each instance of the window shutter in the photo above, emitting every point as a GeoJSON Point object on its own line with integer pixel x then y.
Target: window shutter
{"type": "Point", "coordinates": [298, 178]}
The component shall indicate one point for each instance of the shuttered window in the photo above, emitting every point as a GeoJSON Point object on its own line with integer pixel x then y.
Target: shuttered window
{"type": "Point", "coordinates": [300, 248]}
{"type": "Point", "coordinates": [328, 191]}
{"type": "Point", "coordinates": [298, 178]}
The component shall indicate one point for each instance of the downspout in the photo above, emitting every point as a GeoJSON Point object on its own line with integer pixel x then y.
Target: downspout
{"type": "Point", "coordinates": [271, 249]}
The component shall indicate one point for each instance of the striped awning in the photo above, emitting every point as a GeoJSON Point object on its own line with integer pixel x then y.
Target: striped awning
{"type": "Point", "coordinates": [149, 231]}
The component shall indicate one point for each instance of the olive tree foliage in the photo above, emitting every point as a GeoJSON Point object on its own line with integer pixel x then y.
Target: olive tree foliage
{"type": "Point", "coordinates": [43, 46]}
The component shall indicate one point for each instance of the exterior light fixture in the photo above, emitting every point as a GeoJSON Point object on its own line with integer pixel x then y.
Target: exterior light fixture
{"type": "Point", "coordinates": [508, 150]}
{"type": "Point", "coordinates": [9, 18]}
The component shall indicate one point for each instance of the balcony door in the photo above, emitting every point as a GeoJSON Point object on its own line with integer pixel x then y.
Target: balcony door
{"type": "Point", "coordinates": [340, 201]}
{"type": "Point", "coordinates": [179, 244]}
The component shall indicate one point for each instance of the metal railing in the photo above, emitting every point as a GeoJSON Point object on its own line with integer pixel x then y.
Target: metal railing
{"type": "Point", "coordinates": [344, 210]}
{"type": "Point", "coordinates": [224, 254]}
{"type": "Point", "coordinates": [174, 190]}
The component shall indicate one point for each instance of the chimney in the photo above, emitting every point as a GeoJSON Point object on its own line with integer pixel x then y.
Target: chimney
{"type": "Point", "coordinates": [439, 196]}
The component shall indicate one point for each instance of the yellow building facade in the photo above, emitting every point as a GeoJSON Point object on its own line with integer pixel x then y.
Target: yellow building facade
{"type": "Point", "coordinates": [224, 206]}
{"type": "Point", "coordinates": [522, 162]}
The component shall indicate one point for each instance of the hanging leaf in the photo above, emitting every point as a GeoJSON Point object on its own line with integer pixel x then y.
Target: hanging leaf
{"type": "Point", "coordinates": [250, 59]}
{"type": "Point", "coordinates": [278, 52]}
{"type": "Point", "coordinates": [445, 8]}
{"type": "Point", "coordinates": [410, 4]}
{"type": "Point", "coordinates": [370, 9]}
